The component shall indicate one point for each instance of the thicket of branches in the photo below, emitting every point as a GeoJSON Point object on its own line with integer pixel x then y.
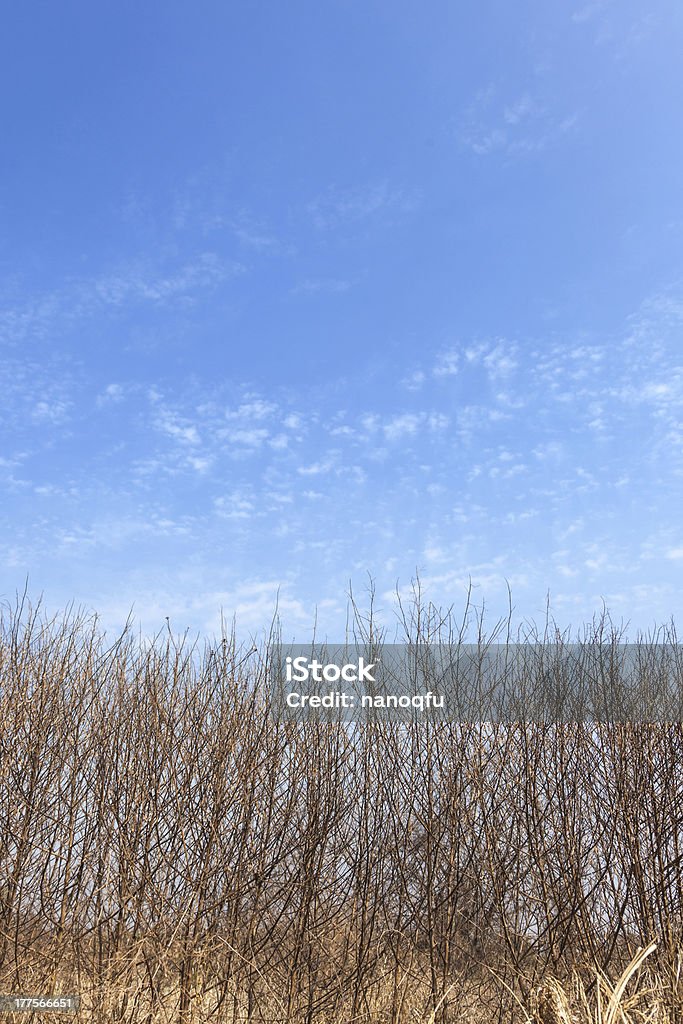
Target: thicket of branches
{"type": "Point", "coordinates": [172, 851]}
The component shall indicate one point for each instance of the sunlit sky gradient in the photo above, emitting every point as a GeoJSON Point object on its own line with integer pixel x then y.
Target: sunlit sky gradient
{"type": "Point", "coordinates": [295, 294]}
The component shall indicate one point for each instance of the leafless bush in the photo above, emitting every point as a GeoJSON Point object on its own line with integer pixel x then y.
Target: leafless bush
{"type": "Point", "coordinates": [173, 852]}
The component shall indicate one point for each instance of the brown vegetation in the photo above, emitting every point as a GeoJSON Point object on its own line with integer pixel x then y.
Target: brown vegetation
{"type": "Point", "coordinates": [172, 852]}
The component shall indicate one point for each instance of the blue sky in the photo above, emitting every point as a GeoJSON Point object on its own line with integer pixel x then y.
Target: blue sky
{"type": "Point", "coordinates": [293, 295]}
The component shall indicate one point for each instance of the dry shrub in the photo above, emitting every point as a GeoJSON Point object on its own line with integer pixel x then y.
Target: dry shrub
{"type": "Point", "coordinates": [173, 852]}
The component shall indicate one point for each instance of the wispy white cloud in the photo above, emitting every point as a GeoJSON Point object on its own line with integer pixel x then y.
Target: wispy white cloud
{"type": "Point", "coordinates": [255, 233]}
{"type": "Point", "coordinates": [236, 505]}
{"type": "Point", "coordinates": [590, 11]}
{"type": "Point", "coordinates": [55, 411]}
{"type": "Point", "coordinates": [316, 468]}
{"type": "Point", "coordinates": [151, 280]}
{"type": "Point", "coordinates": [176, 427]}
{"type": "Point", "coordinates": [140, 283]}
{"type": "Point", "coordinates": [253, 408]}
{"type": "Point", "coordinates": [414, 380]}
{"type": "Point", "coordinates": [112, 394]}
{"type": "Point", "coordinates": [338, 206]}
{"type": "Point", "coordinates": [520, 125]}
{"type": "Point", "coordinates": [252, 437]}
{"type": "Point", "coordinates": [398, 427]}
{"type": "Point", "coordinates": [501, 454]}
{"type": "Point", "coordinates": [448, 364]}
{"type": "Point", "coordinates": [322, 285]}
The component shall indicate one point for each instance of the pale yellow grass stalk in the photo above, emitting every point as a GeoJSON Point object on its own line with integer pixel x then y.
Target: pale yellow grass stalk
{"type": "Point", "coordinates": [611, 1006]}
